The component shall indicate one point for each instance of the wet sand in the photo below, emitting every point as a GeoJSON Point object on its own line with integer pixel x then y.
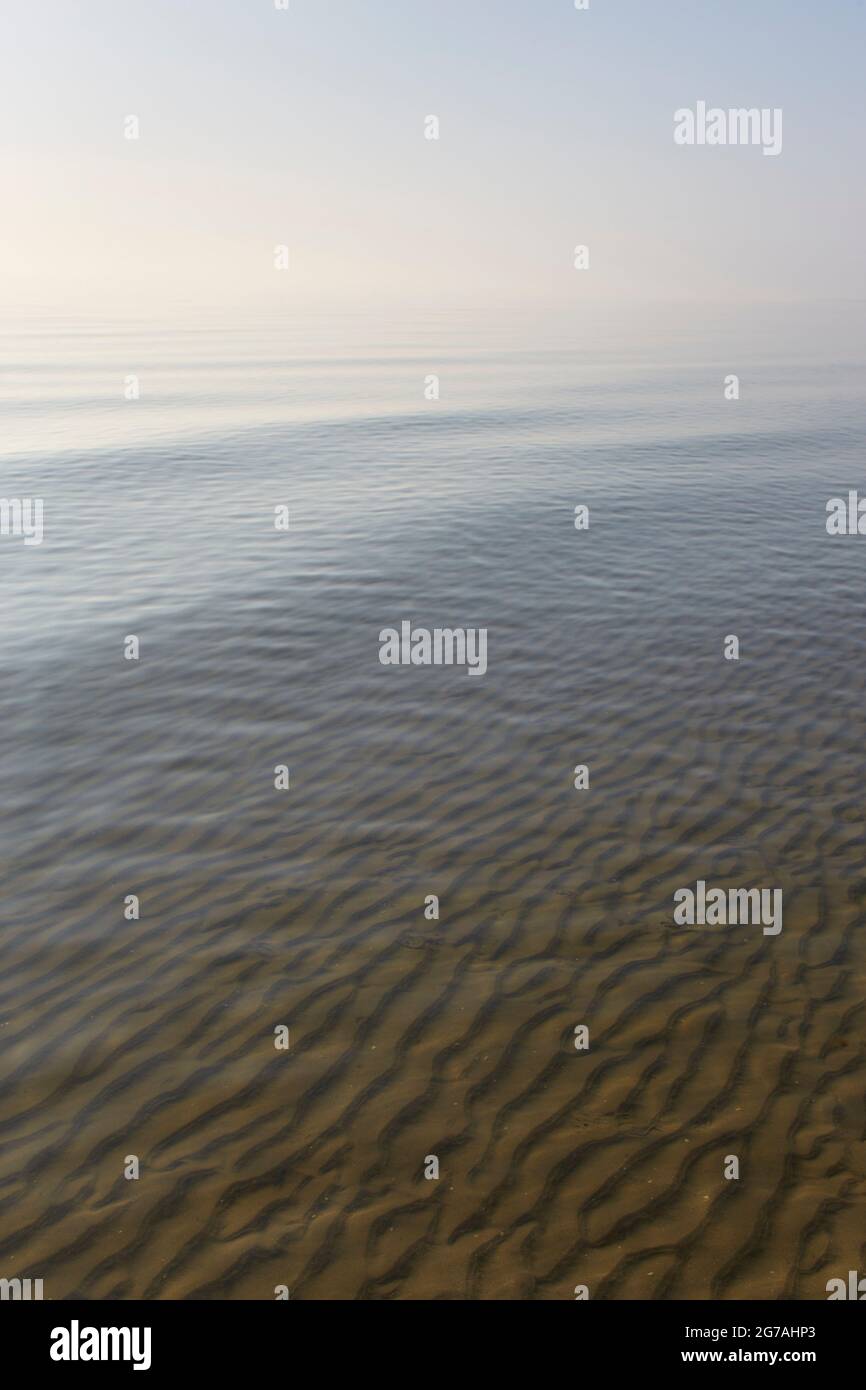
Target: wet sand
{"type": "Point", "coordinates": [455, 1037]}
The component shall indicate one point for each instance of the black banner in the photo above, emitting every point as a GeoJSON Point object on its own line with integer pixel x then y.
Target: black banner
{"type": "Point", "coordinates": [155, 1338]}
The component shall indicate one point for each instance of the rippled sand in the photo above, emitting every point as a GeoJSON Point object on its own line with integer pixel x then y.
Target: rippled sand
{"type": "Point", "coordinates": [305, 908]}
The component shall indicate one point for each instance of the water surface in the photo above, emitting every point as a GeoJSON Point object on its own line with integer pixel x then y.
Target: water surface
{"type": "Point", "coordinates": [412, 1037]}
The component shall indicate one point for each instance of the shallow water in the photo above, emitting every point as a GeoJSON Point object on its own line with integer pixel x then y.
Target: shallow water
{"type": "Point", "coordinates": [412, 1037]}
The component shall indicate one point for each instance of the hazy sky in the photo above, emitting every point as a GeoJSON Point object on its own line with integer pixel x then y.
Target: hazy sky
{"type": "Point", "coordinates": [261, 127]}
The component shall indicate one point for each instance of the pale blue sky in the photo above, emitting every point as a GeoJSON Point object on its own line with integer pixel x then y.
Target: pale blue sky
{"type": "Point", "coordinates": [261, 127]}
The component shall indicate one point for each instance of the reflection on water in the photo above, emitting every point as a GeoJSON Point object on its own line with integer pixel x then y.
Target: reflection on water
{"type": "Point", "coordinates": [413, 1036]}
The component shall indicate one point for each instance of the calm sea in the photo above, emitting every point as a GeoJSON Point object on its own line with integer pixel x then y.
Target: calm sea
{"type": "Point", "coordinates": [413, 1036]}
